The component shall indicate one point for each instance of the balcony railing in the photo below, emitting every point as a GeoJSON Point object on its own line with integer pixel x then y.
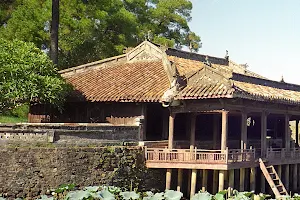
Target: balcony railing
{"type": "Point", "coordinates": [283, 154]}
{"type": "Point", "coordinates": [199, 156]}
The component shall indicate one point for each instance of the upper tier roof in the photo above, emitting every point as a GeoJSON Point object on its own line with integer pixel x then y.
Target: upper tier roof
{"type": "Point", "coordinates": [146, 72]}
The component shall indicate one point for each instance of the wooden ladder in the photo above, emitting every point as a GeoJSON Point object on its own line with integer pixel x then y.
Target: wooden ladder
{"type": "Point", "coordinates": [273, 179]}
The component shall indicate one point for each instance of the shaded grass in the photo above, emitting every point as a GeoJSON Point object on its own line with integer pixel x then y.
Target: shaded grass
{"type": "Point", "coordinates": [11, 119]}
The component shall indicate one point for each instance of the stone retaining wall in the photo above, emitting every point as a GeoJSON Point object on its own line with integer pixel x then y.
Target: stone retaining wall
{"type": "Point", "coordinates": [67, 133]}
{"type": "Point", "coordinates": [30, 172]}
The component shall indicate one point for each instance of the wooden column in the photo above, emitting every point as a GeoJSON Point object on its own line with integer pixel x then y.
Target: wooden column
{"type": "Point", "coordinates": [193, 182]}
{"type": "Point", "coordinates": [244, 130]}
{"type": "Point", "coordinates": [215, 181]}
{"type": "Point", "coordinates": [262, 183]}
{"type": "Point", "coordinates": [216, 128]}
{"type": "Point", "coordinates": [171, 130]}
{"type": "Point", "coordinates": [242, 179]}
{"type": "Point", "coordinates": [297, 132]}
{"type": "Point", "coordinates": [287, 131]}
{"type": "Point", "coordinates": [287, 177]}
{"type": "Point", "coordinates": [224, 130]}
{"type": "Point", "coordinates": [204, 180]}
{"type": "Point", "coordinates": [231, 178]}
{"type": "Point", "coordinates": [192, 131]}
{"type": "Point", "coordinates": [295, 175]}
{"type": "Point", "coordinates": [279, 171]}
{"type": "Point", "coordinates": [179, 180]}
{"type": "Point", "coordinates": [252, 178]}
{"type": "Point", "coordinates": [221, 180]}
{"type": "Point", "coordinates": [263, 134]}
{"type": "Point", "coordinates": [168, 179]}
{"type": "Point", "coordinates": [170, 146]}
{"type": "Point", "coordinates": [298, 177]}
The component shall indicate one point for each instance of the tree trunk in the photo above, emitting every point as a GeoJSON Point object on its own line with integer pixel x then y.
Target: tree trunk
{"type": "Point", "coordinates": [54, 32]}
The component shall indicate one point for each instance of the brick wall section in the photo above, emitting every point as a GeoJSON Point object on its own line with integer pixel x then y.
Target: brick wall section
{"type": "Point", "coordinates": [30, 172]}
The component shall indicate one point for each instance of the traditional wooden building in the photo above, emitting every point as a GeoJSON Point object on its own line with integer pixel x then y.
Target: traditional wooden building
{"type": "Point", "coordinates": [206, 120]}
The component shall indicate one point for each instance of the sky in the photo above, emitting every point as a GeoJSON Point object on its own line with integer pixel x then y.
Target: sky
{"type": "Point", "coordinates": [265, 34]}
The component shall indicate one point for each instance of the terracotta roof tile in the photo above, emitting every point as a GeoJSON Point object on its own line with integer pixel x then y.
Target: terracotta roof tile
{"type": "Point", "coordinates": [205, 91]}
{"type": "Point", "coordinates": [265, 93]}
{"type": "Point", "coordinates": [127, 82]}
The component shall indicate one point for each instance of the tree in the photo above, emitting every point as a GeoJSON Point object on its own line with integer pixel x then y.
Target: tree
{"type": "Point", "coordinates": [90, 30]}
{"type": "Point", "coordinates": [27, 74]}
{"type": "Point", "coordinates": [54, 32]}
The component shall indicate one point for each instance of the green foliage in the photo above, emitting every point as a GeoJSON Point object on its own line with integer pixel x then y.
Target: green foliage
{"type": "Point", "coordinates": [27, 74]}
{"type": "Point", "coordinates": [93, 30]}
{"type": "Point", "coordinates": [20, 111]}
{"type": "Point", "coordinates": [11, 119]}
{"type": "Point", "coordinates": [65, 187]}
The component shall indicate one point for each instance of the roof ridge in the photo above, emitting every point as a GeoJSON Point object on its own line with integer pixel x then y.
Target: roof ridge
{"type": "Point", "coordinates": [91, 64]}
{"type": "Point", "coordinates": [196, 56]}
{"type": "Point", "coordinates": [277, 84]}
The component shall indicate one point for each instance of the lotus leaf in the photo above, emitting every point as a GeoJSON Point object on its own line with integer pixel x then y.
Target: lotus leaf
{"type": "Point", "coordinates": [45, 197]}
{"type": "Point", "coordinates": [129, 195]}
{"type": "Point", "coordinates": [156, 196]}
{"type": "Point", "coordinates": [202, 196]}
{"type": "Point", "coordinates": [78, 195]}
{"type": "Point", "coordinates": [173, 195]}
{"type": "Point", "coordinates": [104, 195]}
{"type": "Point", "coordinates": [92, 188]}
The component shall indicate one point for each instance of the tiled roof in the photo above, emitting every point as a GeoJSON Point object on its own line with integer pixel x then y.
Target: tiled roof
{"type": "Point", "coordinates": [210, 84]}
{"type": "Point", "coordinates": [141, 81]}
{"type": "Point", "coordinates": [186, 66]}
{"type": "Point", "coordinates": [144, 75]}
{"type": "Point", "coordinates": [265, 93]}
{"type": "Point", "coordinates": [204, 91]}
{"type": "Point", "coordinates": [187, 63]}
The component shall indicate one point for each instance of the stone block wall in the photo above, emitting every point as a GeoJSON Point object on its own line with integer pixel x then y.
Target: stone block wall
{"type": "Point", "coordinates": [67, 133]}
{"type": "Point", "coordinates": [30, 172]}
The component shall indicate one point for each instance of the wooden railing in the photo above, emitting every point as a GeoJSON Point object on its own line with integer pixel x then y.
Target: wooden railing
{"type": "Point", "coordinates": [199, 155]}
{"type": "Point", "coordinates": [283, 154]}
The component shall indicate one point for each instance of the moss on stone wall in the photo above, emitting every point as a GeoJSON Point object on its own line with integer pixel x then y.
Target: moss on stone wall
{"type": "Point", "coordinates": [30, 172]}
